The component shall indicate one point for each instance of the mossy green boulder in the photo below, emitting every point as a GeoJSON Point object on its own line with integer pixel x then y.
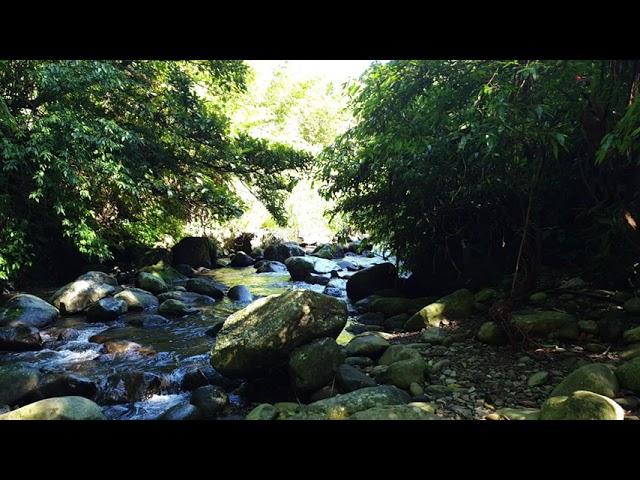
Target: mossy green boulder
{"type": "Point", "coordinates": [412, 411]}
{"type": "Point", "coordinates": [85, 290]}
{"type": "Point", "coordinates": [392, 306]}
{"type": "Point", "coordinates": [313, 365]}
{"type": "Point", "coordinates": [138, 299]}
{"type": "Point", "coordinates": [581, 405]}
{"type": "Point", "coordinates": [366, 344]}
{"type": "Point", "coordinates": [264, 411]}
{"type": "Point", "coordinates": [628, 374]}
{"type": "Point", "coordinates": [151, 282]}
{"type": "Point", "coordinates": [263, 334]}
{"type": "Point", "coordinates": [17, 381]}
{"type": "Point", "coordinates": [596, 377]}
{"type": "Point", "coordinates": [457, 305]}
{"type": "Point", "coordinates": [25, 309]}
{"type": "Point", "coordinates": [519, 413]}
{"type": "Point", "coordinates": [547, 323]}
{"type": "Point", "coordinates": [403, 373]}
{"type": "Point", "coordinates": [58, 408]}
{"type": "Point", "coordinates": [632, 335]}
{"type": "Point", "coordinates": [491, 334]}
{"type": "Point", "coordinates": [397, 353]}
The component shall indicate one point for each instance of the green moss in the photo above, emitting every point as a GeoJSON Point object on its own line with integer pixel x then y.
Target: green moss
{"type": "Point", "coordinates": [581, 405]}
{"type": "Point", "coordinates": [597, 378]}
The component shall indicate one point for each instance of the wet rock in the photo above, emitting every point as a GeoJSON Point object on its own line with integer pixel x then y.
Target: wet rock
{"type": "Point", "coordinates": [185, 269]}
{"type": "Point", "coordinates": [182, 411]}
{"type": "Point", "coordinates": [27, 310]}
{"type": "Point", "coordinates": [175, 308]}
{"type": "Point", "coordinates": [216, 325]}
{"type": "Point", "coordinates": [317, 279]}
{"type": "Point", "coordinates": [349, 378]}
{"type": "Point", "coordinates": [286, 409]}
{"type": "Point", "coordinates": [366, 344]}
{"type": "Point", "coordinates": [151, 282]}
{"type": "Point", "coordinates": [146, 320]}
{"type": "Point", "coordinates": [64, 385]}
{"type": "Point", "coordinates": [210, 400]}
{"type": "Point", "coordinates": [264, 411]}
{"type": "Point", "coordinates": [137, 299]}
{"type": "Point", "coordinates": [300, 268]}
{"type": "Point", "coordinates": [202, 376]}
{"type": "Point", "coordinates": [328, 251]}
{"type": "Point", "coordinates": [85, 290]}
{"type": "Point", "coordinates": [369, 280]}
{"type": "Point", "coordinates": [283, 251]}
{"type": "Point", "coordinates": [106, 309]}
{"type": "Point", "coordinates": [346, 265]}
{"type": "Point", "coordinates": [456, 306]}
{"type": "Point", "coordinates": [597, 378]}
{"type": "Point", "coordinates": [204, 286]}
{"type": "Point", "coordinates": [264, 333]}
{"type": "Point", "coordinates": [271, 266]}
{"type": "Point", "coordinates": [581, 405]}
{"type": "Point", "coordinates": [241, 259]}
{"type": "Point", "coordinates": [60, 408]}
{"type": "Point", "coordinates": [547, 323]}
{"type": "Point", "coordinates": [128, 387]}
{"type": "Point", "coordinates": [194, 251]}
{"type": "Point", "coordinates": [21, 338]}
{"type": "Point", "coordinates": [628, 374]}
{"type": "Point", "coordinates": [334, 292]}
{"type": "Point", "coordinates": [17, 381]}
{"type": "Point", "coordinates": [314, 364]}
{"type": "Point", "coordinates": [121, 347]}
{"type": "Point", "coordinates": [491, 334]}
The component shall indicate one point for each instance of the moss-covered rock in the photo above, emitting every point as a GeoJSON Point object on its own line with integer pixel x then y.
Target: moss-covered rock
{"type": "Point", "coordinates": [538, 298]}
{"type": "Point", "coordinates": [17, 381]}
{"type": "Point", "coordinates": [138, 299]}
{"type": "Point", "coordinates": [632, 335]}
{"type": "Point", "coordinates": [58, 408]}
{"type": "Point", "coordinates": [28, 310]}
{"type": "Point", "coordinates": [370, 280]}
{"type": "Point", "coordinates": [581, 405]}
{"type": "Point", "coordinates": [491, 334]}
{"type": "Point", "coordinates": [366, 344]}
{"type": "Point", "coordinates": [547, 323]}
{"type": "Point", "coordinates": [264, 333]}
{"type": "Point", "coordinates": [151, 282]}
{"type": "Point", "coordinates": [313, 365]}
{"type": "Point", "coordinates": [632, 306]}
{"type": "Point", "coordinates": [85, 290]}
{"type": "Point", "coordinates": [264, 411]}
{"type": "Point", "coordinates": [630, 352]}
{"type": "Point", "coordinates": [596, 377]}
{"type": "Point", "coordinates": [403, 373]}
{"type": "Point", "coordinates": [434, 335]}
{"type": "Point", "coordinates": [457, 305]}
{"type": "Point", "coordinates": [175, 308]}
{"type": "Point", "coordinates": [486, 295]}
{"type": "Point", "coordinates": [412, 411]}
{"type": "Point", "coordinates": [204, 286]}
{"type": "Point", "coordinates": [397, 353]}
{"type": "Point", "coordinates": [519, 413]}
{"type": "Point", "coordinates": [628, 374]}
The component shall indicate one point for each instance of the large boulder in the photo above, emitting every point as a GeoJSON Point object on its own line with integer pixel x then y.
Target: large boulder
{"type": "Point", "coordinates": [491, 334]}
{"type": "Point", "coordinates": [265, 332]}
{"type": "Point", "coordinates": [59, 408]}
{"type": "Point", "coordinates": [240, 293]}
{"type": "Point", "coordinates": [84, 291]}
{"type": "Point", "coordinates": [106, 309]}
{"type": "Point", "coordinates": [546, 323]}
{"type": "Point", "coordinates": [17, 381]}
{"type": "Point", "coordinates": [270, 266]}
{"type": "Point", "coordinates": [151, 282]}
{"type": "Point", "coordinates": [412, 411]}
{"type": "Point", "coordinates": [328, 251]}
{"type": "Point", "coordinates": [632, 335]}
{"type": "Point", "coordinates": [367, 344]}
{"type": "Point", "coordinates": [138, 299]}
{"type": "Point", "coordinates": [392, 306]}
{"type": "Point", "coordinates": [345, 405]}
{"type": "Point", "coordinates": [628, 375]}
{"type": "Point", "coordinates": [405, 366]}
{"type": "Point", "coordinates": [370, 280]}
{"type": "Point", "coordinates": [457, 306]}
{"type": "Point", "coordinates": [581, 405]}
{"type": "Point", "coordinates": [241, 259]}
{"type": "Point", "coordinates": [313, 365]}
{"type": "Point", "coordinates": [20, 339]}
{"type": "Point", "coordinates": [27, 310]}
{"type": "Point", "coordinates": [350, 378]}
{"type": "Point", "coordinates": [194, 251]}
{"type": "Point", "coordinates": [300, 268]}
{"type": "Point", "coordinates": [210, 400]}
{"type": "Point", "coordinates": [281, 252]}
{"type": "Point", "coordinates": [596, 377]}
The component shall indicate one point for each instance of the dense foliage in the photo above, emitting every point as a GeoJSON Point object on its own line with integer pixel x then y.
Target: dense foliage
{"type": "Point", "coordinates": [96, 155]}
{"type": "Point", "coordinates": [452, 163]}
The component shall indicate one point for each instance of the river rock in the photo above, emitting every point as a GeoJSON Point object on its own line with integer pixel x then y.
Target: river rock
{"type": "Point", "coordinates": [137, 299]}
{"type": "Point", "coordinates": [457, 306]}
{"type": "Point", "coordinates": [146, 320]}
{"type": "Point", "coordinates": [283, 251]}
{"type": "Point", "coordinates": [391, 306]}
{"type": "Point", "coordinates": [397, 353]}
{"type": "Point", "coordinates": [628, 374]}
{"type": "Point", "coordinates": [547, 323]}
{"type": "Point", "coordinates": [28, 310]}
{"type": "Point", "coordinates": [370, 280]}
{"type": "Point", "coordinates": [190, 298]}
{"type": "Point", "coordinates": [65, 385]}
{"type": "Point", "coordinates": [241, 259]}
{"type": "Point", "coordinates": [350, 378]}
{"type": "Point", "coordinates": [264, 333]}
{"type": "Point", "coordinates": [519, 413]}
{"type": "Point", "coordinates": [60, 408]}
{"type": "Point", "coordinates": [194, 251]}
{"type": "Point", "coordinates": [106, 309]}
{"type": "Point", "coordinates": [128, 387]}
{"type": "Point", "coordinates": [85, 290]}
{"type": "Point", "coordinates": [537, 379]}
{"type": "Point", "coordinates": [210, 400]}
{"type": "Point", "coordinates": [121, 347]}
{"type": "Point", "coordinates": [491, 334]}
{"type": "Point", "coordinates": [396, 323]}
{"type": "Point", "coordinates": [367, 344]}
{"type": "Point", "coordinates": [313, 365]}
{"type": "Point", "coordinates": [328, 251]}
{"type": "Point", "coordinates": [175, 308]}
{"type": "Point", "coordinates": [632, 335]}
{"type": "Point", "coordinates": [182, 411]}
{"type": "Point", "coordinates": [204, 286]}
{"type": "Point", "coordinates": [581, 405]}
{"type": "Point", "coordinates": [371, 318]}
{"type": "Point", "coordinates": [17, 381]}
{"type": "Point", "coordinates": [151, 282]}
{"type": "Point", "coordinates": [240, 293]}
{"type": "Point", "coordinates": [347, 265]}
{"type": "Point", "coordinates": [268, 266]}
{"type": "Point", "coordinates": [205, 375]}
{"type": "Point", "coordinates": [403, 373]}
{"type": "Point", "coordinates": [21, 338]}
{"type": "Point", "coordinates": [596, 377]}
{"type": "Point", "coordinates": [264, 411]}
{"type": "Point", "coordinates": [412, 411]}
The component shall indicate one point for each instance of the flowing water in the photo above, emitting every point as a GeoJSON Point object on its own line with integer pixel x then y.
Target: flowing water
{"type": "Point", "coordinates": [180, 344]}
